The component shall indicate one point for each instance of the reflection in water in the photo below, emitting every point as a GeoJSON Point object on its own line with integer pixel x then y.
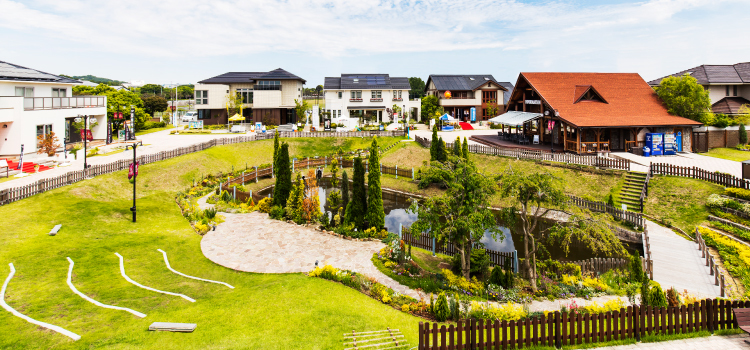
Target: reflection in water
{"type": "Point", "coordinates": [396, 212]}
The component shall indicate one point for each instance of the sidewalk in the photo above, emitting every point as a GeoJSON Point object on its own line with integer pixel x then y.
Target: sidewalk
{"type": "Point", "coordinates": [723, 342]}
{"type": "Point", "coordinates": [640, 163]}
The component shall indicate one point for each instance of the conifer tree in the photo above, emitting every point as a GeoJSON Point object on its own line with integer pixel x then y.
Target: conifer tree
{"type": "Point", "coordinates": [294, 203]}
{"type": "Point", "coordinates": [440, 155]}
{"type": "Point", "coordinates": [357, 209]}
{"type": "Point", "coordinates": [465, 149]}
{"type": "Point", "coordinates": [434, 144]}
{"type": "Point", "coordinates": [457, 147]}
{"type": "Point", "coordinates": [375, 212]}
{"type": "Point", "coordinates": [275, 150]}
{"type": "Point", "coordinates": [283, 177]}
{"type": "Point", "coordinates": [743, 134]}
{"type": "Point", "coordinates": [344, 190]}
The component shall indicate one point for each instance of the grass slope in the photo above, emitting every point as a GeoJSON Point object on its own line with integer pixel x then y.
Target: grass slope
{"type": "Point", "coordinates": [728, 154]}
{"type": "Point", "coordinates": [681, 200]}
{"type": "Point", "coordinates": [265, 311]}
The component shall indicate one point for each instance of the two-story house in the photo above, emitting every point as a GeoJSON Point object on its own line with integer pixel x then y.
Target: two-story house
{"type": "Point", "coordinates": [267, 97]}
{"type": "Point", "coordinates": [458, 94]}
{"type": "Point", "coordinates": [35, 103]}
{"type": "Point", "coordinates": [728, 85]}
{"type": "Point", "coordinates": [352, 97]}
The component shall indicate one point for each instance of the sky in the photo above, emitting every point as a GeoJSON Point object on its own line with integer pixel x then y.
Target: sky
{"type": "Point", "coordinates": [187, 40]}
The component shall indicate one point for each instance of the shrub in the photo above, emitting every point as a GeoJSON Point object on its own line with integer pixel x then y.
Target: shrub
{"type": "Point", "coordinates": [609, 306]}
{"type": "Point", "coordinates": [277, 212]}
{"type": "Point", "coordinates": [656, 296]}
{"type": "Point", "coordinates": [210, 213]}
{"type": "Point", "coordinates": [736, 192]}
{"type": "Point", "coordinates": [460, 284]}
{"type": "Point", "coordinates": [442, 311]}
{"type": "Point", "coordinates": [743, 134]}
{"type": "Point", "coordinates": [480, 263]}
{"type": "Point", "coordinates": [673, 297]}
{"type": "Point", "coordinates": [328, 272]}
{"type": "Point", "coordinates": [264, 206]}
{"type": "Point", "coordinates": [636, 268]}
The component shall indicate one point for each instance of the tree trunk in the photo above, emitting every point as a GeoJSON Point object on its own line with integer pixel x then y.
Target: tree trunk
{"type": "Point", "coordinates": [465, 251]}
{"type": "Point", "coordinates": [533, 275]}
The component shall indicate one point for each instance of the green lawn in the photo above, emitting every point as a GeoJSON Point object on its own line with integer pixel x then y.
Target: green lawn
{"type": "Point", "coordinates": [284, 311]}
{"type": "Point", "coordinates": [681, 200]}
{"type": "Point", "coordinates": [728, 154]}
{"type": "Point", "coordinates": [148, 131]}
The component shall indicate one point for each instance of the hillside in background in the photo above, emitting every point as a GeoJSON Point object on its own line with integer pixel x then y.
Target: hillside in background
{"type": "Point", "coordinates": [94, 79]}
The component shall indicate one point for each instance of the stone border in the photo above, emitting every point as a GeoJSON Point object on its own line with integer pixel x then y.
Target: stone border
{"type": "Point", "coordinates": [73, 288]}
{"type": "Point", "coordinates": [27, 318]}
{"type": "Point", "coordinates": [122, 272]}
{"type": "Point", "coordinates": [184, 275]}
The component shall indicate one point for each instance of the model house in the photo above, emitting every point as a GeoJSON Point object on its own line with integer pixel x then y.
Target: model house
{"type": "Point", "coordinates": [267, 97]}
{"type": "Point", "coordinates": [728, 85]}
{"type": "Point", "coordinates": [35, 103]}
{"type": "Point", "coordinates": [460, 94]}
{"type": "Point", "coordinates": [591, 112]}
{"type": "Point", "coordinates": [355, 98]}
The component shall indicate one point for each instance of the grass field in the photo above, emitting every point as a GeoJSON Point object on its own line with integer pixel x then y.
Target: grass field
{"type": "Point", "coordinates": [148, 131]}
{"type": "Point", "coordinates": [679, 199]}
{"type": "Point", "coordinates": [728, 154]}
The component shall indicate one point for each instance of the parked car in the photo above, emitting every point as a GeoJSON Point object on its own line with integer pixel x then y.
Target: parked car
{"type": "Point", "coordinates": [190, 117]}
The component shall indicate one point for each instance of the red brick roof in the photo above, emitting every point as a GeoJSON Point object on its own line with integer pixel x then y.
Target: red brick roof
{"type": "Point", "coordinates": [630, 100]}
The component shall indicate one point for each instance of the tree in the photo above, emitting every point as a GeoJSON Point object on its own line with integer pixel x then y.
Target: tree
{"type": "Point", "coordinates": [457, 147]}
{"type": "Point", "coordinates": [434, 144]}
{"type": "Point", "coordinates": [49, 143]}
{"type": "Point", "coordinates": [492, 108]}
{"type": "Point", "coordinates": [185, 92]}
{"type": "Point", "coordinates": [234, 104]}
{"type": "Point", "coordinates": [275, 150]}
{"type": "Point", "coordinates": [311, 202]}
{"type": "Point", "coordinates": [684, 97]}
{"type": "Point", "coordinates": [417, 87]}
{"type": "Point", "coordinates": [461, 215]}
{"type": "Point", "coordinates": [375, 212]}
{"type": "Point", "coordinates": [743, 134]}
{"type": "Point", "coordinates": [283, 177]}
{"type": "Point", "coordinates": [357, 209]}
{"type": "Point", "coordinates": [151, 89]}
{"type": "Point", "coordinates": [334, 172]}
{"type": "Point", "coordinates": [117, 101]}
{"type": "Point", "coordinates": [430, 105]}
{"type": "Point", "coordinates": [154, 104]}
{"type": "Point", "coordinates": [465, 149]}
{"type": "Point", "coordinates": [441, 154]}
{"type": "Point", "coordinates": [344, 190]}
{"type": "Point", "coordinates": [533, 196]}
{"type": "Point", "coordinates": [301, 109]}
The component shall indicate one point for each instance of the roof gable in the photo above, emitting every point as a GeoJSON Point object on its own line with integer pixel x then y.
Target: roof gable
{"type": "Point", "coordinates": [587, 93]}
{"type": "Point", "coordinates": [251, 77]}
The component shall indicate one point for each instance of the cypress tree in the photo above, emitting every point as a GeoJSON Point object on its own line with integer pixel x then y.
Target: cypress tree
{"type": "Point", "coordinates": [465, 149]}
{"type": "Point", "coordinates": [283, 177]}
{"type": "Point", "coordinates": [295, 201]}
{"type": "Point", "coordinates": [457, 147]}
{"type": "Point", "coordinates": [375, 212]}
{"type": "Point", "coordinates": [357, 209]}
{"type": "Point", "coordinates": [743, 134]}
{"type": "Point", "coordinates": [344, 190]}
{"type": "Point", "coordinates": [440, 155]}
{"type": "Point", "coordinates": [275, 150]}
{"type": "Point", "coordinates": [434, 145]}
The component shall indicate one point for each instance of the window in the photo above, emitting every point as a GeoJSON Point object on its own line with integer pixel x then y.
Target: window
{"type": "Point", "coordinates": [201, 97]}
{"type": "Point", "coordinates": [42, 130]}
{"type": "Point", "coordinates": [268, 85]}
{"type": "Point", "coordinates": [727, 90]}
{"type": "Point", "coordinates": [339, 113]}
{"type": "Point", "coordinates": [341, 94]}
{"type": "Point", "coordinates": [377, 94]}
{"type": "Point", "coordinates": [59, 92]}
{"type": "Point", "coordinates": [356, 94]}
{"type": "Point", "coordinates": [734, 92]}
{"type": "Point", "coordinates": [246, 94]}
{"type": "Point", "coordinates": [204, 114]}
{"type": "Point", "coordinates": [25, 91]}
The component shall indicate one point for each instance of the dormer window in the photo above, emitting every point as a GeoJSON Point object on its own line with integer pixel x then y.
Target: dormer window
{"type": "Point", "coordinates": [485, 78]}
{"type": "Point", "coordinates": [587, 93]}
{"type": "Point", "coordinates": [471, 78]}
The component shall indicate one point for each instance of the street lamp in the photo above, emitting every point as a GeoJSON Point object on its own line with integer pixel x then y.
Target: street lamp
{"type": "Point", "coordinates": [86, 120]}
{"type": "Point", "coordinates": [134, 170]}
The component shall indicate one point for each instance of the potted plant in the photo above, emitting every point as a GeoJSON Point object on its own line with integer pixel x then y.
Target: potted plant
{"type": "Point", "coordinates": [36, 168]}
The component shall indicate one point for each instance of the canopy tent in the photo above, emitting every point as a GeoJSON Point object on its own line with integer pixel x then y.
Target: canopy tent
{"type": "Point", "coordinates": [515, 118]}
{"type": "Point", "coordinates": [237, 118]}
{"type": "Point", "coordinates": [446, 117]}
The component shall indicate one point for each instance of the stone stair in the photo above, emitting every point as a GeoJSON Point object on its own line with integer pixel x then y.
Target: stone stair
{"type": "Point", "coordinates": [630, 193]}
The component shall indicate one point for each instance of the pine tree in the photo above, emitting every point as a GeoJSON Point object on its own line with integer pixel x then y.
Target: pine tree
{"type": "Point", "coordinates": [275, 150]}
{"type": "Point", "coordinates": [743, 134]}
{"type": "Point", "coordinates": [334, 172]}
{"type": "Point", "coordinates": [375, 212]}
{"type": "Point", "coordinates": [440, 155]}
{"type": "Point", "coordinates": [357, 209]}
{"type": "Point", "coordinates": [434, 144]}
{"type": "Point", "coordinates": [457, 147]}
{"type": "Point", "coordinates": [465, 149]}
{"type": "Point", "coordinates": [283, 177]}
{"type": "Point", "coordinates": [295, 202]}
{"type": "Point", "coordinates": [344, 190]}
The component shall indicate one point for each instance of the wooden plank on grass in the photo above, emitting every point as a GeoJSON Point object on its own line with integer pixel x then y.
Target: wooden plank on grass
{"type": "Point", "coordinates": [173, 327]}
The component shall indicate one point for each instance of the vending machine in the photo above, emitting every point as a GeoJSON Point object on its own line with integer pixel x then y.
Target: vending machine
{"type": "Point", "coordinates": [670, 144]}
{"type": "Point", "coordinates": [655, 142]}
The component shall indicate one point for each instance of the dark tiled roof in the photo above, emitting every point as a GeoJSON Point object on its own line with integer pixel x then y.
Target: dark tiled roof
{"type": "Point", "coordinates": [729, 105]}
{"type": "Point", "coordinates": [366, 82]}
{"type": "Point", "coordinates": [506, 94]}
{"type": "Point", "coordinates": [460, 82]}
{"type": "Point", "coordinates": [251, 77]}
{"type": "Point", "coordinates": [715, 74]}
{"type": "Point", "coordinates": [10, 71]}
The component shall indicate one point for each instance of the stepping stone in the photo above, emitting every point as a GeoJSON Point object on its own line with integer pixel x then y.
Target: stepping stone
{"type": "Point", "coordinates": [55, 230]}
{"type": "Point", "coordinates": [173, 327]}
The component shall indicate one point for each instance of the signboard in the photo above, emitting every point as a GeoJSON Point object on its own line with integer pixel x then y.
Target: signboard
{"type": "Point", "coordinates": [258, 126]}
{"type": "Point", "coordinates": [327, 125]}
{"type": "Point", "coordinates": [550, 125]}
{"type": "Point", "coordinates": [133, 170]}
{"type": "Point", "coordinates": [473, 114]}
{"type": "Point", "coordinates": [86, 134]}
{"type": "Point", "coordinates": [196, 124]}
{"type": "Point", "coordinates": [130, 133]}
{"type": "Point", "coordinates": [121, 135]}
{"type": "Point", "coordinates": [109, 133]}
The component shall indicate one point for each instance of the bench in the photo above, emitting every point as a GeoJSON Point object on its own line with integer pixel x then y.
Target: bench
{"type": "Point", "coordinates": [742, 316]}
{"type": "Point", "coordinates": [55, 230]}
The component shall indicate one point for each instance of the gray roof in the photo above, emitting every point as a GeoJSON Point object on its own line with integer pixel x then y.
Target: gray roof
{"type": "Point", "coordinates": [506, 95]}
{"type": "Point", "coordinates": [462, 82]}
{"type": "Point", "coordinates": [251, 77]}
{"type": "Point", "coordinates": [10, 71]}
{"type": "Point", "coordinates": [715, 74]}
{"type": "Point", "coordinates": [366, 82]}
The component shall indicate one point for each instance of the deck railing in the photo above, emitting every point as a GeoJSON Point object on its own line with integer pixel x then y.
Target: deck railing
{"type": "Point", "coordinates": [38, 103]}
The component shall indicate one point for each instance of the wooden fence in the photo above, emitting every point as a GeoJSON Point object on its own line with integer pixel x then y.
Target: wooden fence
{"type": "Point", "coordinates": [726, 180]}
{"type": "Point", "coordinates": [561, 329]}
{"type": "Point", "coordinates": [397, 133]}
{"type": "Point", "coordinates": [425, 241]}
{"type": "Point", "coordinates": [624, 215]}
{"type": "Point", "coordinates": [594, 161]}
{"type": "Point", "coordinates": [710, 262]}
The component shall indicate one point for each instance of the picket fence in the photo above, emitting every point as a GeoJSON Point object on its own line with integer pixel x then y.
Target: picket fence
{"type": "Point", "coordinates": [713, 268]}
{"type": "Point", "coordinates": [425, 241]}
{"type": "Point", "coordinates": [594, 161]}
{"type": "Point", "coordinates": [563, 329]}
{"type": "Point", "coordinates": [726, 180]}
{"type": "Point", "coordinates": [624, 215]}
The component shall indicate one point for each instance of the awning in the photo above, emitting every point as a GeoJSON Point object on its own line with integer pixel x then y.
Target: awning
{"type": "Point", "coordinates": [447, 117]}
{"type": "Point", "coordinates": [366, 107]}
{"type": "Point", "coordinates": [514, 118]}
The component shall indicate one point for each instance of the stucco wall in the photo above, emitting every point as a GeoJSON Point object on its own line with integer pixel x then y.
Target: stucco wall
{"type": "Point", "coordinates": [217, 95]}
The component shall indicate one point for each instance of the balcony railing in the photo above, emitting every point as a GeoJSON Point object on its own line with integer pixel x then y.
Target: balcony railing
{"type": "Point", "coordinates": [39, 103]}
{"type": "Point", "coordinates": [267, 87]}
{"type": "Point", "coordinates": [355, 100]}
{"type": "Point", "coordinates": [376, 100]}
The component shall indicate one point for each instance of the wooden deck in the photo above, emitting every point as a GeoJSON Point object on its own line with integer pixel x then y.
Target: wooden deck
{"type": "Point", "coordinates": [495, 141]}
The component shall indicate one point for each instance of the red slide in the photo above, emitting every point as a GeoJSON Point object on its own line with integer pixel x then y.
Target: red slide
{"type": "Point", "coordinates": [465, 126]}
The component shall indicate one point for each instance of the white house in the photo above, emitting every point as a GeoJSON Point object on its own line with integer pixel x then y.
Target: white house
{"type": "Point", "coordinates": [354, 96]}
{"type": "Point", "coordinates": [34, 103]}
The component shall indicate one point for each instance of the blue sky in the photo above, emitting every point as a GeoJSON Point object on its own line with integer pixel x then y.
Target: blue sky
{"type": "Point", "coordinates": [187, 40]}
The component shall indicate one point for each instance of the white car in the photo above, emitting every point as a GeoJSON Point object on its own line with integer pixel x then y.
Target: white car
{"type": "Point", "coordinates": [190, 116]}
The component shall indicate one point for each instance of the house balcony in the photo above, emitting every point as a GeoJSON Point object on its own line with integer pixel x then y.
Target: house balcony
{"type": "Point", "coordinates": [41, 103]}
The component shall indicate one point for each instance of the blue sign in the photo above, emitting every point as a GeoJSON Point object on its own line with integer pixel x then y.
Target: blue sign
{"type": "Point", "coordinates": [196, 125]}
{"type": "Point", "coordinates": [473, 114]}
{"type": "Point", "coordinates": [679, 141]}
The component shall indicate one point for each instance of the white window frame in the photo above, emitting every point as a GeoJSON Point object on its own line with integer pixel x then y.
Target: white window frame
{"type": "Point", "coordinates": [58, 91]}
{"type": "Point", "coordinates": [356, 93]}
{"type": "Point", "coordinates": [26, 91]}
{"type": "Point", "coordinates": [376, 94]}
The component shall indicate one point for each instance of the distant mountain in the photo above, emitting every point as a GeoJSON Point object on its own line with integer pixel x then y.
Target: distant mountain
{"type": "Point", "coordinates": [94, 79]}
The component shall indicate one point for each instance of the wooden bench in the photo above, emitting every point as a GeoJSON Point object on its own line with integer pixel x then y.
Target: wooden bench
{"type": "Point", "coordinates": [742, 316]}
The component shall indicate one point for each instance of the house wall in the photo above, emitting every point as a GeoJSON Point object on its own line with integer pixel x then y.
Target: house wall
{"type": "Point", "coordinates": [217, 96]}
{"type": "Point", "coordinates": [267, 99]}
{"type": "Point", "coordinates": [290, 90]}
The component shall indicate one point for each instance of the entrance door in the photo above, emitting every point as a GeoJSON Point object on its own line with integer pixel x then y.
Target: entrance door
{"type": "Point", "coordinates": [678, 138]}
{"type": "Point", "coordinates": [700, 144]}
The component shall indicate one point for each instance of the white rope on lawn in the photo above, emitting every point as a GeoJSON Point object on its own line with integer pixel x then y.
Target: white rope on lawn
{"type": "Point", "coordinates": [73, 288]}
{"type": "Point", "coordinates": [27, 318]}
{"type": "Point", "coordinates": [122, 272]}
{"type": "Point", "coordinates": [184, 275]}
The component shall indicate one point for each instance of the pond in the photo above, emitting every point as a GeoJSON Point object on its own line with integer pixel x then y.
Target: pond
{"type": "Point", "coordinates": [396, 212]}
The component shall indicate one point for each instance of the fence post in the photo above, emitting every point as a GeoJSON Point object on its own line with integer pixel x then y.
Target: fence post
{"type": "Point", "coordinates": [515, 261]}
{"type": "Point", "coordinates": [396, 171]}
{"type": "Point", "coordinates": [399, 231]}
{"type": "Point", "coordinates": [273, 175]}
{"type": "Point", "coordinates": [256, 174]}
{"type": "Point", "coordinates": [412, 173]}
{"type": "Point", "coordinates": [234, 192]}
{"type": "Point", "coordinates": [558, 338]}
{"type": "Point", "coordinates": [434, 241]}
{"type": "Point", "coordinates": [243, 177]}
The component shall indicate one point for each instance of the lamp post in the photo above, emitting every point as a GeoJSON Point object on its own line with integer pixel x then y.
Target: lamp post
{"type": "Point", "coordinates": [134, 146]}
{"type": "Point", "coordinates": [86, 120]}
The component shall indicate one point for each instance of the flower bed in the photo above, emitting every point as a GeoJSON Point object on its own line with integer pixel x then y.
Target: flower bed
{"type": "Point", "coordinates": [734, 255]}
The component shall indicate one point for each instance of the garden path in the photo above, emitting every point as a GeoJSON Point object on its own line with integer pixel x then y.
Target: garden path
{"type": "Point", "coordinates": [203, 204]}
{"type": "Point", "coordinates": [678, 263]}
{"type": "Point", "coordinates": [724, 342]}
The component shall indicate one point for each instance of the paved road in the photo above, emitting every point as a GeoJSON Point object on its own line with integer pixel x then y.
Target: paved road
{"type": "Point", "coordinates": [639, 163]}
{"type": "Point", "coordinates": [677, 263]}
{"type": "Point", "coordinates": [156, 142]}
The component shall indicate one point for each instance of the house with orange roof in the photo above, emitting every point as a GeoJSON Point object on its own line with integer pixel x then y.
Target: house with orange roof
{"type": "Point", "coordinates": [591, 112]}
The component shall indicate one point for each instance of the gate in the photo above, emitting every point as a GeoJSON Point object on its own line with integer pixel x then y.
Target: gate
{"type": "Point", "coordinates": [700, 142]}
